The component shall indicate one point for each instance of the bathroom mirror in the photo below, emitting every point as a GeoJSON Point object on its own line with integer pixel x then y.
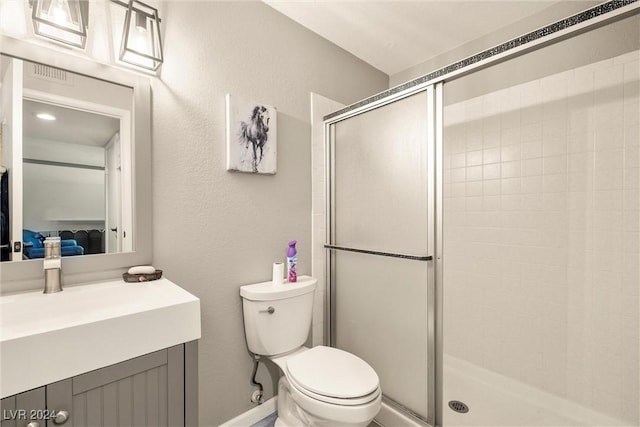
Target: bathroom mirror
{"type": "Point", "coordinates": [74, 149]}
{"type": "Point", "coordinates": [84, 174]}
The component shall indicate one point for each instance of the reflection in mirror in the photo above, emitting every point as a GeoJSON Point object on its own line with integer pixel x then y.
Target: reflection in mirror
{"type": "Point", "coordinates": [70, 166]}
{"type": "Point", "coordinates": [71, 178]}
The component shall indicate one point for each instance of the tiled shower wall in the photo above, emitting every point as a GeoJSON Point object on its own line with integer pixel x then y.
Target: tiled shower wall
{"type": "Point", "coordinates": [542, 234]}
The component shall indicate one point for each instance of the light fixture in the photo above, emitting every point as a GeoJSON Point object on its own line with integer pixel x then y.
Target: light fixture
{"type": "Point", "coordinates": [64, 21]}
{"type": "Point", "coordinates": [141, 41]}
{"type": "Point", "coordinates": [46, 116]}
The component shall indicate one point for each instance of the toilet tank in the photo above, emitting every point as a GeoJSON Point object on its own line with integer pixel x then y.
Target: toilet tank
{"type": "Point", "coordinates": [277, 318]}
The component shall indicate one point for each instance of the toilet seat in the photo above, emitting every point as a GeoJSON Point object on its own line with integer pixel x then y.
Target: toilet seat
{"type": "Point", "coordinates": [352, 401]}
{"type": "Point", "coordinates": [333, 376]}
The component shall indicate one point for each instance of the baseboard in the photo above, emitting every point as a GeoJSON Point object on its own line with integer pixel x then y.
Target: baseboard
{"type": "Point", "coordinates": [253, 415]}
{"type": "Point", "coordinates": [389, 416]}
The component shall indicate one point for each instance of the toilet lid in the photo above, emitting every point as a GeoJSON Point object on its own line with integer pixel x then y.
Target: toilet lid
{"type": "Point", "coordinates": [332, 372]}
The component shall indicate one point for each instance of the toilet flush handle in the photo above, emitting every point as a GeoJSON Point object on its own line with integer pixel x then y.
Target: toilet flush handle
{"type": "Point", "coordinates": [269, 310]}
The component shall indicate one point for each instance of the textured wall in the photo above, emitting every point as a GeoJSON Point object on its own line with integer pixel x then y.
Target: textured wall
{"type": "Point", "coordinates": [216, 230]}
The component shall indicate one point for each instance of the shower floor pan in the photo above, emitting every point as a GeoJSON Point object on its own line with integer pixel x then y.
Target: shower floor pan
{"type": "Point", "coordinates": [496, 400]}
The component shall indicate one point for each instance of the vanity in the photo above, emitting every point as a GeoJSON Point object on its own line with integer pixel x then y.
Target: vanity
{"type": "Point", "coordinates": [97, 351]}
{"type": "Point", "coordinates": [102, 352]}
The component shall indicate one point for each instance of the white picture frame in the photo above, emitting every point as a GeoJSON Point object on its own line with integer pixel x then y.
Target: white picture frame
{"type": "Point", "coordinates": [251, 136]}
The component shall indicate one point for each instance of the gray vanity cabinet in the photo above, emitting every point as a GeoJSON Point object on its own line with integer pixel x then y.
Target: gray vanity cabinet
{"type": "Point", "coordinates": [24, 408]}
{"type": "Point", "coordinates": [145, 391]}
{"type": "Point", "coordinates": [155, 390]}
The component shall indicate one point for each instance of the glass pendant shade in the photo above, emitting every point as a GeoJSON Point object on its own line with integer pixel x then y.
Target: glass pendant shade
{"type": "Point", "coordinates": [141, 42]}
{"type": "Point", "coordinates": [60, 20]}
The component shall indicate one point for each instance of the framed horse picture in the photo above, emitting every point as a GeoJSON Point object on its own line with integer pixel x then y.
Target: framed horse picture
{"type": "Point", "coordinates": [251, 136]}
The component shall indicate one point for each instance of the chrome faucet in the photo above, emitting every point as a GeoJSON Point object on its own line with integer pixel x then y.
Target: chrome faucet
{"type": "Point", "coordinates": [52, 265]}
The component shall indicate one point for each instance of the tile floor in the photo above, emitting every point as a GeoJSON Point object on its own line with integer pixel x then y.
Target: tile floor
{"type": "Point", "coordinates": [267, 421]}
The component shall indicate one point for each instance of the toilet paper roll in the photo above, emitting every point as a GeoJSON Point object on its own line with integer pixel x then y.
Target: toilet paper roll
{"type": "Point", "coordinates": [278, 273]}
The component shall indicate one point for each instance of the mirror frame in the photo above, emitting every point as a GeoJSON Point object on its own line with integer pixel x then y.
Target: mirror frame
{"type": "Point", "coordinates": [28, 274]}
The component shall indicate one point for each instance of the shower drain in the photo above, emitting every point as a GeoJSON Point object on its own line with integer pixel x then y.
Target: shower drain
{"type": "Point", "coordinates": [458, 406]}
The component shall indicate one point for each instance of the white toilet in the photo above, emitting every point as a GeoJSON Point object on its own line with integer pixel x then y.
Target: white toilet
{"type": "Point", "coordinates": [321, 386]}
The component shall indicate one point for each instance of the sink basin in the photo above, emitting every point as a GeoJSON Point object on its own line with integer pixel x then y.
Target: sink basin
{"type": "Point", "coordinates": [49, 337]}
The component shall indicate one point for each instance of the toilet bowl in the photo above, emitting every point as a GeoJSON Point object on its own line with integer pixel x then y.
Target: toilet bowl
{"type": "Point", "coordinates": [320, 386]}
{"type": "Point", "coordinates": [325, 386]}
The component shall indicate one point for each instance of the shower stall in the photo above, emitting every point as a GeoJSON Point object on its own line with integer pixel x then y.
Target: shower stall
{"type": "Point", "coordinates": [482, 242]}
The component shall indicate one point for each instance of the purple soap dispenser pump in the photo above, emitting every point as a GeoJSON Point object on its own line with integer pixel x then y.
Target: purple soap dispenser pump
{"type": "Point", "coordinates": [291, 262]}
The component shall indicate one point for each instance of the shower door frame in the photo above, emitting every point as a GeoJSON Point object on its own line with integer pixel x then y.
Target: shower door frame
{"type": "Point", "coordinates": [597, 16]}
{"type": "Point", "coordinates": [433, 111]}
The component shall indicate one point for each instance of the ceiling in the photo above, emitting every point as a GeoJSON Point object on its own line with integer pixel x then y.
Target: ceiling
{"type": "Point", "coordinates": [71, 126]}
{"type": "Point", "coordinates": [394, 35]}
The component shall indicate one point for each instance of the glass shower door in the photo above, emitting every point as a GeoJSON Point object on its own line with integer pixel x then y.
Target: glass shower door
{"type": "Point", "coordinates": [379, 264]}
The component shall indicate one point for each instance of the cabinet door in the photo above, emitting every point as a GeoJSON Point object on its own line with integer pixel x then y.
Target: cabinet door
{"type": "Point", "coordinates": [145, 391]}
{"type": "Point", "coordinates": [24, 408]}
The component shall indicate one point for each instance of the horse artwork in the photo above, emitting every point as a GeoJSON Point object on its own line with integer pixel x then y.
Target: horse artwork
{"type": "Point", "coordinates": [251, 136]}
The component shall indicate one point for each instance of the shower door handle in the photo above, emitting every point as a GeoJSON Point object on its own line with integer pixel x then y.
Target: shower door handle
{"type": "Point", "coordinates": [387, 254]}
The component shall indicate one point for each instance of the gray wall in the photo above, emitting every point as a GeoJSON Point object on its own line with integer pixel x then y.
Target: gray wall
{"type": "Point", "coordinates": [547, 16]}
{"type": "Point", "coordinates": [215, 230]}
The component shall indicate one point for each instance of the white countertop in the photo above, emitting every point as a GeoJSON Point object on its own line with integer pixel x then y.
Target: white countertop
{"type": "Point", "coordinates": [50, 337]}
